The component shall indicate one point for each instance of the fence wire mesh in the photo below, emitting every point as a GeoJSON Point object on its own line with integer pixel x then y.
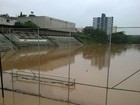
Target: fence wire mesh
{"type": "Point", "coordinates": [70, 67]}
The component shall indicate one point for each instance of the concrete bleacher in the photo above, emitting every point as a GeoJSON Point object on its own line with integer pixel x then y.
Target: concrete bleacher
{"type": "Point", "coordinates": [5, 44]}
{"type": "Point", "coordinates": [20, 38]}
{"type": "Point", "coordinates": [3, 39]}
{"type": "Point", "coordinates": [25, 39]}
{"type": "Point", "coordinates": [24, 35]}
{"type": "Point", "coordinates": [65, 41]}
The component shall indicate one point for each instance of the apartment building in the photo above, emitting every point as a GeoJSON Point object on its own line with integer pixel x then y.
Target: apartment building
{"type": "Point", "coordinates": [104, 23]}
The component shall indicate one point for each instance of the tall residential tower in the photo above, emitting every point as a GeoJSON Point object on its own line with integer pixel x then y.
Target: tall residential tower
{"type": "Point", "coordinates": [104, 23]}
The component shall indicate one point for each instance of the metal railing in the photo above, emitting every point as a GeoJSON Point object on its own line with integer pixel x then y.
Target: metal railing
{"type": "Point", "coordinates": [44, 79]}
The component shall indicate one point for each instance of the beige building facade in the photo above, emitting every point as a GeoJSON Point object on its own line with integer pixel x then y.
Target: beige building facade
{"type": "Point", "coordinates": [49, 23]}
{"type": "Point", "coordinates": [7, 21]}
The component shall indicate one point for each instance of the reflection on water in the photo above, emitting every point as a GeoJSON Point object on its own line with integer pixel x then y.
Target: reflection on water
{"type": "Point", "coordinates": [50, 59]}
{"type": "Point", "coordinates": [88, 65]}
{"type": "Point", "coordinates": [58, 57]}
{"type": "Point", "coordinates": [97, 54]}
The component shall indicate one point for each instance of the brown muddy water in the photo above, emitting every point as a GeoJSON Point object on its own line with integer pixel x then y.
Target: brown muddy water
{"type": "Point", "coordinates": [75, 76]}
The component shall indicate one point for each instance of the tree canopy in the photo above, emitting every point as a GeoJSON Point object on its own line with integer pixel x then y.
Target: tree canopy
{"type": "Point", "coordinates": [119, 38]}
{"type": "Point", "coordinates": [28, 24]}
{"type": "Point", "coordinates": [98, 35]}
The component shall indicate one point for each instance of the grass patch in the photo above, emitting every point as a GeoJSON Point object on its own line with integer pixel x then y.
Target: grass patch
{"type": "Point", "coordinates": [85, 39]}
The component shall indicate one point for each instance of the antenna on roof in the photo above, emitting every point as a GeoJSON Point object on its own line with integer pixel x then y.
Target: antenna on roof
{"type": "Point", "coordinates": [32, 13]}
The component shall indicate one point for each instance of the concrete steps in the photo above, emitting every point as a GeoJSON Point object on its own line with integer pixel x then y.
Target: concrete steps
{"type": "Point", "coordinates": [65, 41]}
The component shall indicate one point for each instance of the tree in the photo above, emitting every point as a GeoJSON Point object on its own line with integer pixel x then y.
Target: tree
{"type": "Point", "coordinates": [19, 25]}
{"type": "Point", "coordinates": [88, 30]}
{"type": "Point", "coordinates": [119, 38]}
{"type": "Point", "coordinates": [98, 35]}
{"type": "Point", "coordinates": [27, 24]}
{"type": "Point", "coordinates": [30, 24]}
{"type": "Point", "coordinates": [133, 39]}
{"type": "Point", "coordinates": [4, 15]}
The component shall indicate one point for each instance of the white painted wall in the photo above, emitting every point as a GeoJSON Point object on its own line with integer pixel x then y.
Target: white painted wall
{"type": "Point", "coordinates": [51, 23]}
{"type": "Point", "coordinates": [7, 21]}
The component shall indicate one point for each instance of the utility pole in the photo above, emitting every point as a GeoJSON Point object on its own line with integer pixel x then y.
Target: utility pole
{"type": "Point", "coordinates": [1, 77]}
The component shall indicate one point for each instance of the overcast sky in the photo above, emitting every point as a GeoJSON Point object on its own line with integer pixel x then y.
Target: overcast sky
{"type": "Point", "coordinates": [81, 12]}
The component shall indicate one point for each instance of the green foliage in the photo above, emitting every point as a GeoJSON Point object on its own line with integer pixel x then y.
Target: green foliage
{"type": "Point", "coordinates": [28, 24]}
{"type": "Point", "coordinates": [84, 39]}
{"type": "Point", "coordinates": [133, 39]}
{"type": "Point", "coordinates": [88, 30]}
{"type": "Point", "coordinates": [98, 35]}
{"type": "Point", "coordinates": [119, 38]}
{"type": "Point", "coordinates": [19, 25]}
{"type": "Point", "coordinates": [137, 40]}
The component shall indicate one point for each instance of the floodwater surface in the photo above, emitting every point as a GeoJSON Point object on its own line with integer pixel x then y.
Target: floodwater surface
{"type": "Point", "coordinates": [78, 75]}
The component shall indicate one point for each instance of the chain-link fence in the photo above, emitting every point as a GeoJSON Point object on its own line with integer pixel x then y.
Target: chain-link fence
{"type": "Point", "coordinates": [60, 66]}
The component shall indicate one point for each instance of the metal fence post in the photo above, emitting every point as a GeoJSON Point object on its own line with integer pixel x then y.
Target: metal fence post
{"type": "Point", "coordinates": [1, 76]}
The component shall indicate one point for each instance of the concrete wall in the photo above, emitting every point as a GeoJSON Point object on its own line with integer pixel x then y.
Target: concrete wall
{"type": "Point", "coordinates": [7, 21]}
{"type": "Point", "coordinates": [51, 23]}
